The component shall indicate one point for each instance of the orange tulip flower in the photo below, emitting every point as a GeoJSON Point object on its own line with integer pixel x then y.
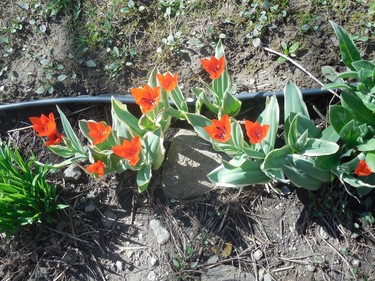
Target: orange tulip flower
{"type": "Point", "coordinates": [214, 66]}
{"type": "Point", "coordinates": [168, 81]}
{"type": "Point", "coordinates": [255, 131]}
{"type": "Point", "coordinates": [96, 168]}
{"type": "Point", "coordinates": [54, 139]}
{"type": "Point", "coordinates": [147, 98]}
{"type": "Point", "coordinates": [362, 169]}
{"type": "Point", "coordinates": [99, 132]}
{"type": "Point", "coordinates": [220, 129]}
{"type": "Point", "coordinates": [129, 150]}
{"type": "Point", "coordinates": [44, 125]}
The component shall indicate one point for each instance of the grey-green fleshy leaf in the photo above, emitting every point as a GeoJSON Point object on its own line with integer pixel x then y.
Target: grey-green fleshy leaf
{"type": "Point", "coordinates": [319, 147]}
{"type": "Point", "coordinates": [294, 101]}
{"type": "Point", "coordinates": [143, 177]}
{"type": "Point", "coordinates": [228, 175]}
{"type": "Point", "coordinates": [68, 130]}
{"type": "Point", "coordinates": [349, 51]}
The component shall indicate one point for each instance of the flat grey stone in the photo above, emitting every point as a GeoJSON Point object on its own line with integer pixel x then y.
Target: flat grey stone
{"type": "Point", "coordinates": [153, 261]}
{"type": "Point", "coordinates": [162, 235]}
{"type": "Point", "coordinates": [258, 254]}
{"type": "Point", "coordinates": [267, 277]}
{"type": "Point", "coordinates": [356, 263]}
{"type": "Point", "coordinates": [188, 161]}
{"type": "Point", "coordinates": [323, 232]}
{"type": "Point", "coordinates": [120, 265]}
{"type": "Point", "coordinates": [226, 273]}
{"type": "Point", "coordinates": [72, 173]}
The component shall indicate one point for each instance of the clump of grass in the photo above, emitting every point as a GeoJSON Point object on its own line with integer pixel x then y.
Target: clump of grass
{"type": "Point", "coordinates": [25, 195]}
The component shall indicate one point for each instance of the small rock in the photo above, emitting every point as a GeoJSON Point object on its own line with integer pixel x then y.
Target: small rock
{"type": "Point", "coordinates": [108, 218]}
{"type": "Point", "coordinates": [213, 259]}
{"type": "Point", "coordinates": [323, 232]}
{"type": "Point", "coordinates": [310, 268]}
{"type": "Point", "coordinates": [261, 274]}
{"type": "Point", "coordinates": [90, 208]}
{"type": "Point", "coordinates": [91, 194]}
{"type": "Point", "coordinates": [285, 190]}
{"type": "Point", "coordinates": [188, 157]}
{"type": "Point", "coordinates": [120, 265]}
{"type": "Point", "coordinates": [152, 276]}
{"type": "Point", "coordinates": [3, 269]}
{"type": "Point", "coordinates": [258, 254]}
{"type": "Point", "coordinates": [267, 277]}
{"type": "Point", "coordinates": [226, 273]}
{"type": "Point", "coordinates": [129, 254]}
{"type": "Point", "coordinates": [153, 261]}
{"type": "Point", "coordinates": [72, 173]}
{"type": "Point", "coordinates": [162, 235]}
{"type": "Point", "coordinates": [356, 263]}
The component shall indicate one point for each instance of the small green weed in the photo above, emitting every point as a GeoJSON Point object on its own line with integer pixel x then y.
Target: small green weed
{"type": "Point", "coordinates": [171, 7]}
{"type": "Point", "coordinates": [185, 263]}
{"type": "Point", "coordinates": [52, 73]}
{"type": "Point", "coordinates": [72, 7]}
{"type": "Point", "coordinates": [289, 50]}
{"type": "Point", "coordinates": [172, 42]}
{"type": "Point", "coordinates": [26, 196]}
{"type": "Point", "coordinates": [260, 15]}
{"type": "Point", "coordinates": [118, 59]}
{"type": "Point", "coordinates": [309, 23]}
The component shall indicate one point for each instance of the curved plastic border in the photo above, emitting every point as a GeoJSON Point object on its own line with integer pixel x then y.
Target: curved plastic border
{"type": "Point", "coordinates": [106, 98]}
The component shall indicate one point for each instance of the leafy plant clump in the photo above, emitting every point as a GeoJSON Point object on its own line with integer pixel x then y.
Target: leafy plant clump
{"type": "Point", "coordinates": [25, 195]}
{"type": "Point", "coordinates": [307, 157]}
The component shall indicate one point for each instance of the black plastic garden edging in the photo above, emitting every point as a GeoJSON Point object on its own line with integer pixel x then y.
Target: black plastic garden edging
{"type": "Point", "coordinates": [106, 98]}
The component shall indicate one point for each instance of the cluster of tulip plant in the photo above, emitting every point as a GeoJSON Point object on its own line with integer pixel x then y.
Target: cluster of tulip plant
{"type": "Point", "coordinates": [307, 157]}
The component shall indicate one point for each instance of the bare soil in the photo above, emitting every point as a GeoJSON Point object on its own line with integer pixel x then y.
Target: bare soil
{"type": "Point", "coordinates": [298, 236]}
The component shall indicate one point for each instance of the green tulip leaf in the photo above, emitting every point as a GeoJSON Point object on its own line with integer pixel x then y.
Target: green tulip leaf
{"type": "Point", "coordinates": [153, 141]}
{"type": "Point", "coordinates": [178, 99]}
{"type": "Point", "coordinates": [330, 134]}
{"type": "Point", "coordinates": [319, 147]}
{"type": "Point", "coordinates": [370, 160]}
{"type": "Point", "coordinates": [71, 136]}
{"type": "Point", "coordinates": [199, 122]}
{"type": "Point", "coordinates": [360, 112]}
{"type": "Point", "coordinates": [228, 175]}
{"type": "Point", "coordinates": [349, 51]}
{"type": "Point", "coordinates": [293, 101]}
{"type": "Point", "coordinates": [308, 166]}
{"type": "Point", "coordinates": [146, 123]}
{"type": "Point", "coordinates": [367, 146]}
{"type": "Point", "coordinates": [143, 177]}
{"type": "Point", "coordinates": [152, 80]}
{"type": "Point", "coordinates": [350, 133]}
{"type": "Point", "coordinates": [231, 105]}
{"type": "Point", "coordinates": [269, 116]}
{"type": "Point", "coordinates": [272, 165]}
{"type": "Point", "coordinates": [301, 179]}
{"type": "Point", "coordinates": [121, 113]}
{"type": "Point", "coordinates": [339, 116]}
